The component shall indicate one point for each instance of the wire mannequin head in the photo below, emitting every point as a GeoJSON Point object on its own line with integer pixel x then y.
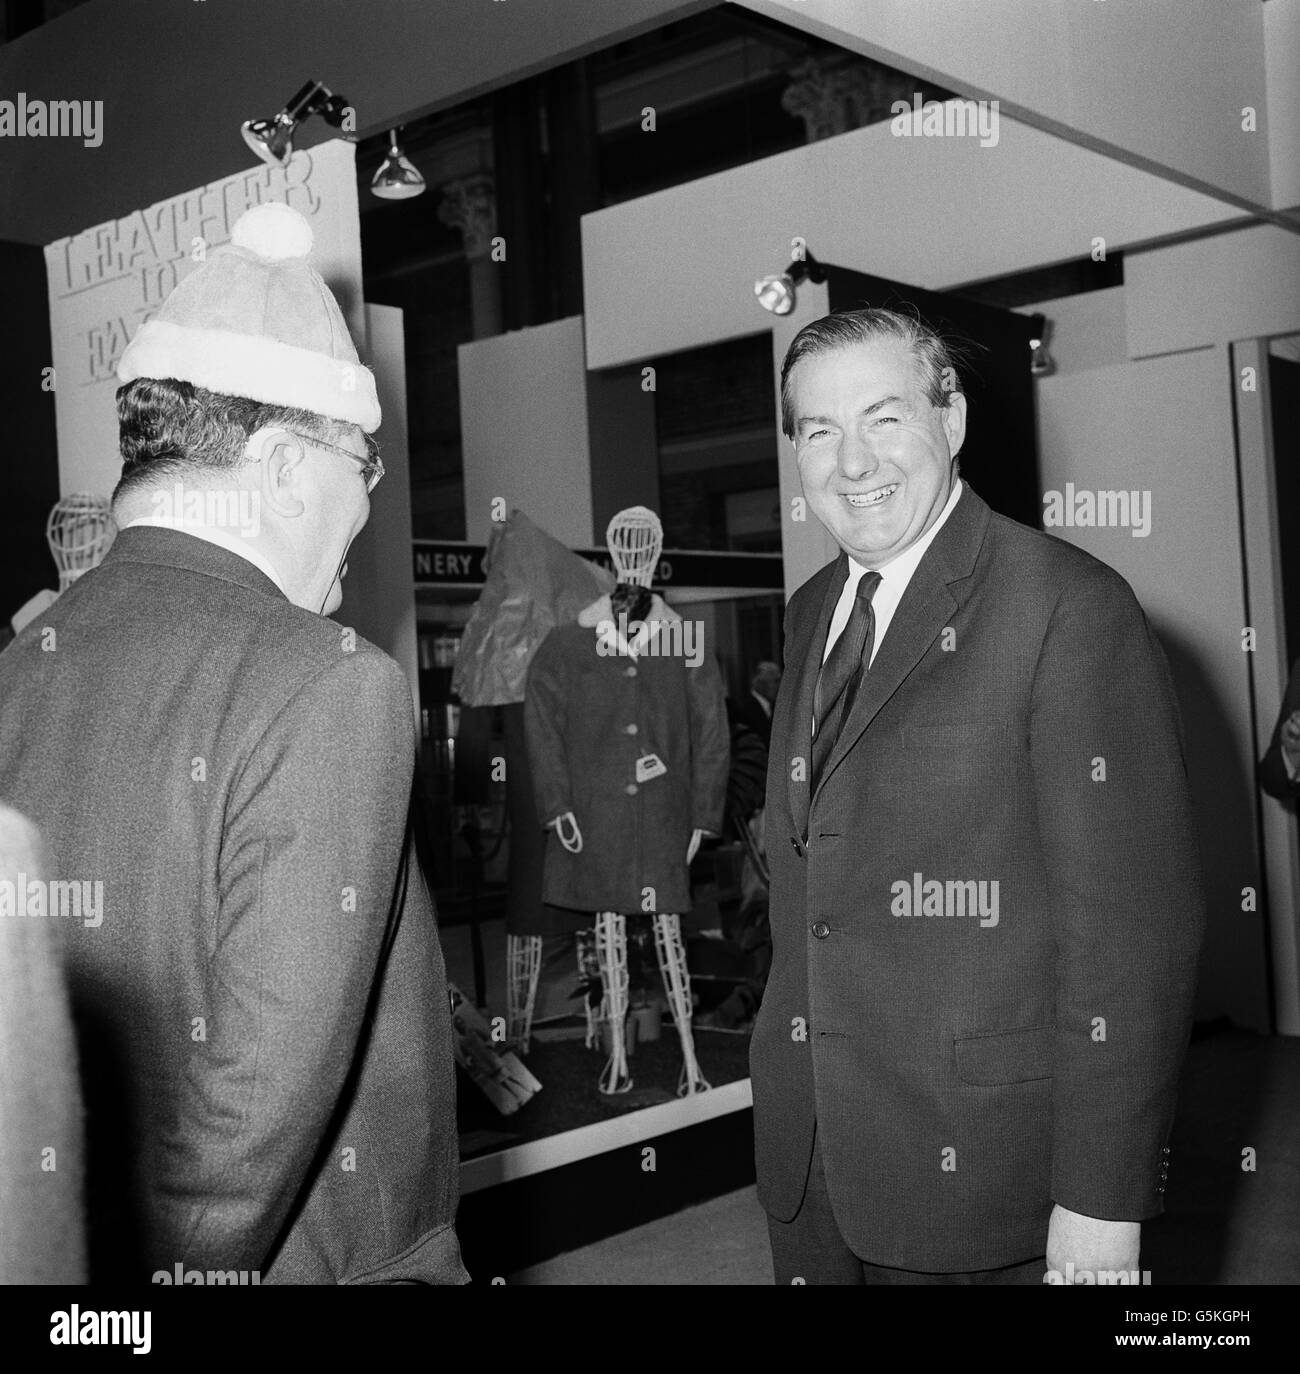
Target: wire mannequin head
{"type": "Point", "coordinates": [79, 531]}
{"type": "Point", "coordinates": [635, 539]}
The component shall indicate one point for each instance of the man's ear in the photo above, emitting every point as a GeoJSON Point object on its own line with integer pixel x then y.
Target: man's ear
{"type": "Point", "coordinates": [281, 458]}
{"type": "Point", "coordinates": [954, 422]}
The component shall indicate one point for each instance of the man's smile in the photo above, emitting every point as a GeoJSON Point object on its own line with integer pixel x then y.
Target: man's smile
{"type": "Point", "coordinates": [876, 497]}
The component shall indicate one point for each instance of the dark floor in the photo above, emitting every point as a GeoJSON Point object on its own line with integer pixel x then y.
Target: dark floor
{"type": "Point", "coordinates": [1226, 1224]}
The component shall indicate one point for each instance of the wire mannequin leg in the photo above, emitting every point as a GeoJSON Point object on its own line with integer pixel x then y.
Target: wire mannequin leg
{"type": "Point", "coordinates": [524, 968]}
{"type": "Point", "coordinates": [611, 946]}
{"type": "Point", "coordinates": [677, 984]}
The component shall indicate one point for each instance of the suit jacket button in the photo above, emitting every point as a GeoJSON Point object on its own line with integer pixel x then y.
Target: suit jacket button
{"type": "Point", "coordinates": [631, 729]}
{"type": "Point", "coordinates": [630, 789]}
{"type": "Point", "coordinates": [820, 929]}
{"type": "Point", "coordinates": [631, 672]}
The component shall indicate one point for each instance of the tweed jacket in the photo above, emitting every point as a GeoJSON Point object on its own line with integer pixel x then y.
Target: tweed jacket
{"type": "Point", "coordinates": [260, 1003]}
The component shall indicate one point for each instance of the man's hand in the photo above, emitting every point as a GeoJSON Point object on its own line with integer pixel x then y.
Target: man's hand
{"type": "Point", "coordinates": [1090, 1243]}
{"type": "Point", "coordinates": [1290, 741]}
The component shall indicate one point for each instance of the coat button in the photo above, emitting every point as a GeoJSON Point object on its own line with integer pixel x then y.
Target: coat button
{"type": "Point", "coordinates": [631, 671]}
{"type": "Point", "coordinates": [631, 729]}
{"type": "Point", "coordinates": [630, 789]}
{"type": "Point", "coordinates": [820, 929]}
{"type": "Point", "coordinates": [1164, 1149]}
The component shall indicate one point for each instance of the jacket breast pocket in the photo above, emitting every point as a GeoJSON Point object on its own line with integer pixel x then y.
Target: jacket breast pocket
{"type": "Point", "coordinates": [1014, 1056]}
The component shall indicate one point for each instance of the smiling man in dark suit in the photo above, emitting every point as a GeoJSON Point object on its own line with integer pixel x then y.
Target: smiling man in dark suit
{"type": "Point", "coordinates": [985, 906]}
{"type": "Point", "coordinates": [260, 1002]}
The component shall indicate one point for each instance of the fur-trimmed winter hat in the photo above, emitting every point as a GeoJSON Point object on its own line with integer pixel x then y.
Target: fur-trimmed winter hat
{"type": "Point", "coordinates": [257, 320]}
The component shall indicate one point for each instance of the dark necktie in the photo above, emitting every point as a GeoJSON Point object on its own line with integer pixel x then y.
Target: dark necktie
{"type": "Point", "coordinates": [837, 683]}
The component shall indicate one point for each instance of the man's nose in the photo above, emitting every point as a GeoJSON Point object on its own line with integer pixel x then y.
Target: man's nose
{"type": "Point", "coordinates": [857, 457]}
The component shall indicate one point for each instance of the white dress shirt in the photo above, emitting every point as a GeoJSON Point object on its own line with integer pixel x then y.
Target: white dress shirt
{"type": "Point", "coordinates": [894, 577]}
{"type": "Point", "coordinates": [222, 538]}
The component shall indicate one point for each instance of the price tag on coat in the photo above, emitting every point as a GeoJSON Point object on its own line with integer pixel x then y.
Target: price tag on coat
{"type": "Point", "coordinates": [650, 766]}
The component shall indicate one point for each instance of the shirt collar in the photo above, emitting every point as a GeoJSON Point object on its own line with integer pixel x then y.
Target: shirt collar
{"type": "Point", "coordinates": [222, 538]}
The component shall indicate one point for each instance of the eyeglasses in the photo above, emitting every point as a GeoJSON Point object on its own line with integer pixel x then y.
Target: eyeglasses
{"type": "Point", "coordinates": [372, 466]}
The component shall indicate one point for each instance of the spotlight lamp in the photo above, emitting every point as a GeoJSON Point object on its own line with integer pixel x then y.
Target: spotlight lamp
{"type": "Point", "coordinates": [1040, 360]}
{"type": "Point", "coordinates": [777, 293]}
{"type": "Point", "coordinates": [397, 177]}
{"type": "Point", "coordinates": [272, 139]}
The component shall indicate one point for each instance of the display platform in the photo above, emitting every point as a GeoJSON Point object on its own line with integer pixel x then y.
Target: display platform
{"type": "Point", "coordinates": [569, 1102]}
{"type": "Point", "coordinates": [528, 1180]}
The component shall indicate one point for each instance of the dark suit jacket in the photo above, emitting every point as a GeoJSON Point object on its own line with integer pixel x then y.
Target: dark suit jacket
{"type": "Point", "coordinates": [955, 1068]}
{"type": "Point", "coordinates": [1273, 777]}
{"type": "Point", "coordinates": [264, 1029]}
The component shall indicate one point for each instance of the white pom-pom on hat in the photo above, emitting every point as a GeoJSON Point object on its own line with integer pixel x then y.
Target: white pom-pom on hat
{"type": "Point", "coordinates": [273, 230]}
{"type": "Point", "coordinates": [255, 319]}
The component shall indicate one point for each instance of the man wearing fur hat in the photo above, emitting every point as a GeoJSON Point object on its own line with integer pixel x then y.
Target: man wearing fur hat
{"type": "Point", "coordinates": [261, 1004]}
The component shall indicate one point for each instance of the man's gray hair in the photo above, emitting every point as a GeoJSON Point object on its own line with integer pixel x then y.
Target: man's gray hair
{"type": "Point", "coordinates": [936, 357]}
{"type": "Point", "coordinates": [167, 428]}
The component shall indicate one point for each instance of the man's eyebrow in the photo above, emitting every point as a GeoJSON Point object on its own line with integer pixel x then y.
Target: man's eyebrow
{"type": "Point", "coordinates": [868, 410]}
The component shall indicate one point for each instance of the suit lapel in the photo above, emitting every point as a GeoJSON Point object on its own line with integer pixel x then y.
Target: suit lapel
{"type": "Point", "coordinates": [926, 608]}
{"type": "Point", "coordinates": [807, 651]}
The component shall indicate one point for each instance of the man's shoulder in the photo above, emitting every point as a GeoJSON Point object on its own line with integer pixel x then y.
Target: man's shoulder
{"type": "Point", "coordinates": [162, 616]}
{"type": "Point", "coordinates": [1035, 558]}
{"type": "Point", "coordinates": [295, 648]}
{"type": "Point", "coordinates": [301, 635]}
